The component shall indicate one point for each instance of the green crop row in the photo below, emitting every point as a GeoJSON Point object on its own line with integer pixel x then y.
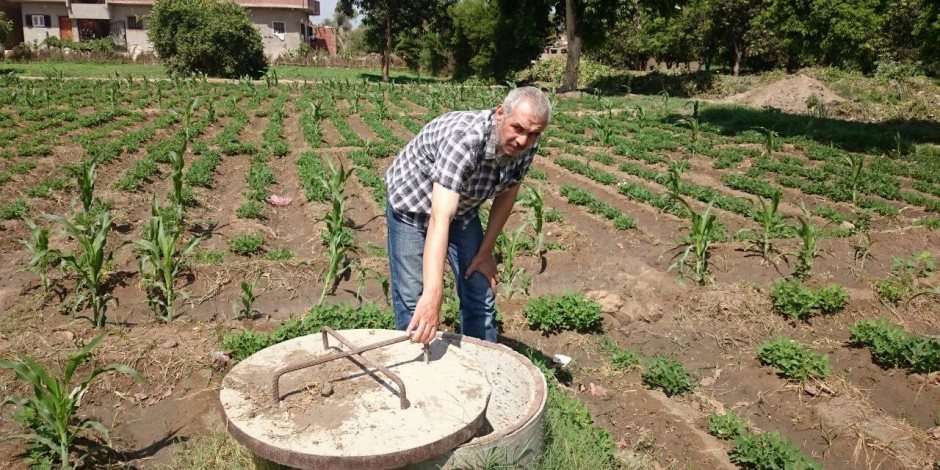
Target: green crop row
{"type": "Point", "coordinates": [580, 197]}
{"type": "Point", "coordinates": [892, 346]}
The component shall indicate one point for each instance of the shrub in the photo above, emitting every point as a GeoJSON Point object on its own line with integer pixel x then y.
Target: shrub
{"type": "Point", "coordinates": [246, 244]}
{"type": "Point", "coordinates": [555, 313]}
{"type": "Point", "coordinates": [214, 37]}
{"type": "Point", "coordinates": [668, 375]}
{"type": "Point", "coordinates": [250, 210]}
{"type": "Point", "coordinates": [769, 451]}
{"type": "Point", "coordinates": [890, 291]}
{"type": "Point", "coordinates": [797, 302]}
{"type": "Point", "coordinates": [793, 360]}
{"type": "Point", "coordinates": [892, 346]}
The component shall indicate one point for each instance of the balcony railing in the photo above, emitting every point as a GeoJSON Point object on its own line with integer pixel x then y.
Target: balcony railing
{"type": "Point", "coordinates": [312, 5]}
{"type": "Point", "coordinates": [89, 11]}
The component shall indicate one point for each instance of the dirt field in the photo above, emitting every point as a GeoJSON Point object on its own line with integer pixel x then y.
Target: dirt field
{"type": "Point", "coordinates": [860, 416]}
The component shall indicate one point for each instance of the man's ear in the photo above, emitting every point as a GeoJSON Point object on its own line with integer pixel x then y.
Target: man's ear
{"type": "Point", "coordinates": [500, 112]}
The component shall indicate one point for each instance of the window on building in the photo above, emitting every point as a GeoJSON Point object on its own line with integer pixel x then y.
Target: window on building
{"type": "Point", "coordinates": [135, 22]}
{"type": "Point", "coordinates": [280, 29]}
{"type": "Point", "coordinates": [39, 21]}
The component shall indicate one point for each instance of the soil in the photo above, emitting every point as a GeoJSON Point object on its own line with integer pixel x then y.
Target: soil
{"type": "Point", "coordinates": [861, 416]}
{"type": "Point", "coordinates": [790, 95]}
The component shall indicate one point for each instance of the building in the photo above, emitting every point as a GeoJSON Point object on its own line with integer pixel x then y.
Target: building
{"type": "Point", "coordinates": [284, 24]}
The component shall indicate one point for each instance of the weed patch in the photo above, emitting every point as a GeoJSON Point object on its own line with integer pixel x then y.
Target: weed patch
{"type": "Point", "coordinates": [556, 313]}
{"type": "Point", "coordinates": [668, 375]}
{"type": "Point", "coordinates": [793, 360]}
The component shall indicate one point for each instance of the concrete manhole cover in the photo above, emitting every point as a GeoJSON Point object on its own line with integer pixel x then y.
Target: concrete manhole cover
{"type": "Point", "coordinates": [344, 414]}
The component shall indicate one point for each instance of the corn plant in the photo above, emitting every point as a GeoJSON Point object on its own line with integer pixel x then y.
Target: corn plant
{"type": "Point", "coordinates": [91, 262]}
{"type": "Point", "coordinates": [771, 223]}
{"type": "Point", "coordinates": [365, 274]}
{"type": "Point", "coordinates": [244, 307]}
{"type": "Point", "coordinates": [50, 413]}
{"type": "Point", "coordinates": [87, 177]}
{"type": "Point", "coordinates": [161, 261]}
{"type": "Point", "coordinates": [703, 231]}
{"type": "Point", "coordinates": [604, 130]}
{"type": "Point", "coordinates": [511, 272]}
{"type": "Point", "coordinates": [809, 234]}
{"type": "Point", "coordinates": [337, 237]}
{"type": "Point", "coordinates": [857, 163]}
{"type": "Point", "coordinates": [533, 199]}
{"type": "Point", "coordinates": [42, 258]}
{"type": "Point", "coordinates": [770, 140]}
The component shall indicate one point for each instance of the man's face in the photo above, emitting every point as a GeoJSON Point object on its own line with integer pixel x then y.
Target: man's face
{"type": "Point", "coordinates": [518, 131]}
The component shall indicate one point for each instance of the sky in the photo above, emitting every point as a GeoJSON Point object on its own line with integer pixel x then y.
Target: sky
{"type": "Point", "coordinates": [326, 10]}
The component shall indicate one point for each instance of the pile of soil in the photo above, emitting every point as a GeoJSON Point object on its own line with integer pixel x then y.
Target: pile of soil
{"type": "Point", "coordinates": [788, 95]}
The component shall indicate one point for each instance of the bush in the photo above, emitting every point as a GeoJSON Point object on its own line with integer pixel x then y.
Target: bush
{"type": "Point", "coordinates": [769, 451]}
{"type": "Point", "coordinates": [246, 244]}
{"type": "Point", "coordinates": [726, 426]}
{"type": "Point", "coordinates": [214, 37]}
{"type": "Point", "coordinates": [555, 313]}
{"type": "Point", "coordinates": [797, 302]}
{"type": "Point", "coordinates": [793, 360]}
{"type": "Point", "coordinates": [892, 346]}
{"type": "Point", "coordinates": [668, 375]}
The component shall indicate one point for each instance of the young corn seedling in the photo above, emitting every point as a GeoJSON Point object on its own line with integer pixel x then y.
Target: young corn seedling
{"type": "Point", "coordinates": [161, 261]}
{"type": "Point", "coordinates": [42, 258]}
{"type": "Point", "coordinates": [857, 163]}
{"type": "Point", "coordinates": [87, 177]}
{"type": "Point", "coordinates": [51, 412]}
{"type": "Point", "coordinates": [603, 129]}
{"type": "Point", "coordinates": [809, 234]}
{"type": "Point", "coordinates": [511, 272]}
{"type": "Point", "coordinates": [337, 237]}
{"type": "Point", "coordinates": [770, 140]}
{"type": "Point", "coordinates": [365, 274]}
{"type": "Point", "coordinates": [771, 224]}
{"type": "Point", "coordinates": [244, 307]}
{"type": "Point", "coordinates": [91, 262]}
{"type": "Point", "coordinates": [702, 233]}
{"type": "Point", "coordinates": [533, 199]}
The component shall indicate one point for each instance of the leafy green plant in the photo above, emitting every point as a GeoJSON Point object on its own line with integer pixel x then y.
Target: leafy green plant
{"type": "Point", "coordinates": [668, 375]}
{"type": "Point", "coordinates": [42, 258]}
{"type": "Point", "coordinates": [246, 244]}
{"type": "Point", "coordinates": [533, 200]}
{"type": "Point", "coordinates": [507, 249]}
{"type": "Point", "coordinates": [769, 451]}
{"type": "Point", "coordinates": [772, 224]}
{"type": "Point", "coordinates": [695, 255]}
{"type": "Point", "coordinates": [51, 412]}
{"type": "Point", "coordinates": [931, 222]}
{"type": "Point", "coordinates": [250, 210]}
{"type": "Point", "coordinates": [793, 360]}
{"type": "Point", "coordinates": [727, 425]}
{"type": "Point", "coordinates": [279, 254]}
{"type": "Point", "coordinates": [244, 307]}
{"type": "Point", "coordinates": [890, 291]}
{"type": "Point", "coordinates": [161, 261]}
{"type": "Point", "coordinates": [770, 140]}
{"type": "Point", "coordinates": [337, 237]}
{"type": "Point", "coordinates": [619, 358]}
{"type": "Point", "coordinates": [337, 316]}
{"type": "Point", "coordinates": [856, 162]}
{"type": "Point", "coordinates": [555, 313]}
{"type": "Point", "coordinates": [797, 302]}
{"type": "Point", "coordinates": [87, 177]}
{"type": "Point", "coordinates": [208, 257]}
{"type": "Point", "coordinates": [892, 346]}
{"type": "Point", "coordinates": [14, 210]}
{"type": "Point", "coordinates": [90, 263]}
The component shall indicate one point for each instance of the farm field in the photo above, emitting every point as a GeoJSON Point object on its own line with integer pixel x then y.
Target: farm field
{"type": "Point", "coordinates": [774, 267]}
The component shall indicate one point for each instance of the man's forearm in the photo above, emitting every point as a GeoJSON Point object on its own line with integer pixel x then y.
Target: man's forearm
{"type": "Point", "coordinates": [499, 214]}
{"type": "Point", "coordinates": [435, 252]}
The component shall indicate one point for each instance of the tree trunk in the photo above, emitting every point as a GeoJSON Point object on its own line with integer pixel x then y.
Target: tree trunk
{"type": "Point", "coordinates": [738, 57]}
{"type": "Point", "coordinates": [387, 53]}
{"type": "Point", "coordinates": [572, 31]}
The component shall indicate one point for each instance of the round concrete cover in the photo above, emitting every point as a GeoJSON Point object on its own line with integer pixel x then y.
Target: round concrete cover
{"type": "Point", "coordinates": [360, 423]}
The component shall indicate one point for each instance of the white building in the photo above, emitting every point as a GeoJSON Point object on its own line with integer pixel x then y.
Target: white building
{"type": "Point", "coordinates": [284, 24]}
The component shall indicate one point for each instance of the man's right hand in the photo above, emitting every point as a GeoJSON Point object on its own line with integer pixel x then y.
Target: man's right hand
{"type": "Point", "coordinates": [426, 318]}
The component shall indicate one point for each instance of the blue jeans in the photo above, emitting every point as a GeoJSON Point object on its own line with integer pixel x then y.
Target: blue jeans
{"type": "Point", "coordinates": [406, 258]}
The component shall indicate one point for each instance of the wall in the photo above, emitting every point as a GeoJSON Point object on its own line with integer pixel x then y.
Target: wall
{"type": "Point", "coordinates": [325, 39]}
{"type": "Point", "coordinates": [137, 39]}
{"type": "Point", "coordinates": [274, 46]}
{"type": "Point", "coordinates": [54, 10]}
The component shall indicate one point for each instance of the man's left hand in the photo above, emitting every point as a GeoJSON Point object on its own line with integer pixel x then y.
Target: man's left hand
{"type": "Point", "coordinates": [485, 264]}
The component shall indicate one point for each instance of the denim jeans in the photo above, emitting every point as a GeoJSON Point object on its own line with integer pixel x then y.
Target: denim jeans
{"type": "Point", "coordinates": [406, 258]}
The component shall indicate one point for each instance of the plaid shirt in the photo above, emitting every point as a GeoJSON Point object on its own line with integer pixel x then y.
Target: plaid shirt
{"type": "Point", "coordinates": [458, 151]}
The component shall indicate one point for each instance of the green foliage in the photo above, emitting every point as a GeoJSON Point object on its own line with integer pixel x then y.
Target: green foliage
{"type": "Point", "coordinates": [42, 257]}
{"type": "Point", "coordinates": [892, 346]}
{"type": "Point", "coordinates": [793, 360]}
{"type": "Point", "coordinates": [208, 257]}
{"type": "Point", "coordinates": [809, 234]}
{"type": "Point", "coordinates": [244, 307]}
{"type": "Point", "coordinates": [14, 210]}
{"type": "Point", "coordinates": [336, 236]}
{"type": "Point", "coordinates": [246, 244]}
{"type": "Point", "coordinates": [619, 358]}
{"type": "Point", "coordinates": [890, 291]}
{"type": "Point", "coordinates": [556, 313]}
{"type": "Point", "coordinates": [337, 316]}
{"type": "Point", "coordinates": [797, 302]}
{"type": "Point", "coordinates": [279, 254]}
{"type": "Point", "coordinates": [6, 26]}
{"type": "Point", "coordinates": [51, 412]}
{"type": "Point", "coordinates": [90, 262]}
{"type": "Point", "coordinates": [532, 198]}
{"type": "Point", "coordinates": [726, 426]}
{"type": "Point", "coordinates": [771, 224]}
{"type": "Point", "coordinates": [212, 37]}
{"type": "Point", "coordinates": [161, 260]}
{"type": "Point", "coordinates": [250, 210]}
{"type": "Point", "coordinates": [931, 222]}
{"type": "Point", "coordinates": [572, 439]}
{"type": "Point", "coordinates": [581, 197]}
{"type": "Point", "coordinates": [668, 375]}
{"type": "Point", "coordinates": [769, 451]}
{"type": "Point", "coordinates": [507, 249]}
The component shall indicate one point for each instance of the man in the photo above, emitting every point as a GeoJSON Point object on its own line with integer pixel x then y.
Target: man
{"type": "Point", "coordinates": [435, 187]}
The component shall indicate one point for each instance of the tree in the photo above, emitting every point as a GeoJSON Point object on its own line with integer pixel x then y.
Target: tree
{"type": "Point", "coordinates": [731, 27]}
{"type": "Point", "coordinates": [386, 19]}
{"type": "Point", "coordinates": [586, 24]}
{"type": "Point", "coordinates": [6, 26]}
{"type": "Point", "coordinates": [214, 37]}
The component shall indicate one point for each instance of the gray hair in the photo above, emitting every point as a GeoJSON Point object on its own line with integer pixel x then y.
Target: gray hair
{"type": "Point", "coordinates": [539, 105]}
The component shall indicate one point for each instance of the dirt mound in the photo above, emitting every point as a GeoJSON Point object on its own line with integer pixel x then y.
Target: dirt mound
{"type": "Point", "coordinates": [789, 95]}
